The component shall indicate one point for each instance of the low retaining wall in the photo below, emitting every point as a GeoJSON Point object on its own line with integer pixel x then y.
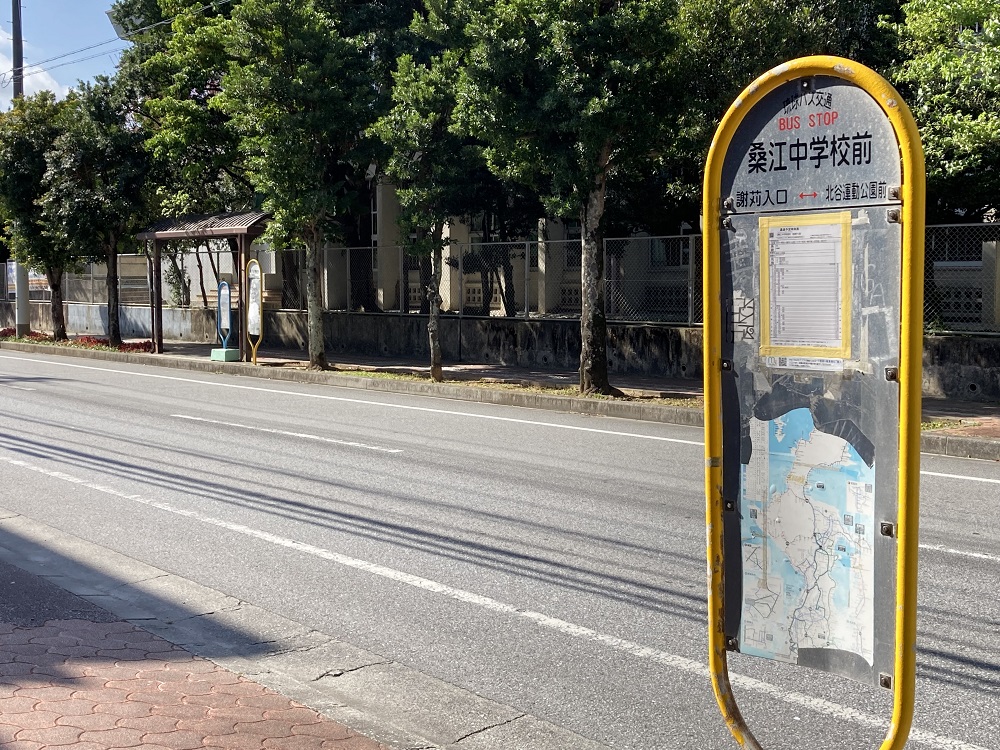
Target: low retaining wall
{"type": "Point", "coordinates": [189, 324]}
{"type": "Point", "coordinates": [638, 349]}
{"type": "Point", "coordinates": [634, 349]}
{"type": "Point", "coordinates": [965, 367]}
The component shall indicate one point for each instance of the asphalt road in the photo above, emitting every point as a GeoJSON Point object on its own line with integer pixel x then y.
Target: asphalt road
{"type": "Point", "coordinates": [550, 562]}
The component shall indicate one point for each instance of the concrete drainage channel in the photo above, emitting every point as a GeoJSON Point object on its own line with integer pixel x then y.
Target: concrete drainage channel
{"type": "Point", "coordinates": [384, 700]}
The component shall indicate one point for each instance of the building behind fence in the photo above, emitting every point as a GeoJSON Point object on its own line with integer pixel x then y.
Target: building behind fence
{"type": "Point", "coordinates": [648, 279]}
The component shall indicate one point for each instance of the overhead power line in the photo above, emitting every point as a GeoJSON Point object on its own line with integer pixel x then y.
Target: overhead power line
{"type": "Point", "coordinates": [73, 62]}
{"type": "Point", "coordinates": [28, 69]}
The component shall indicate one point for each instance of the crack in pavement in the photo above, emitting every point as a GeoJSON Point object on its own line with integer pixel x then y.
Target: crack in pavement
{"type": "Point", "coordinates": [491, 726]}
{"type": "Point", "coordinates": [342, 672]}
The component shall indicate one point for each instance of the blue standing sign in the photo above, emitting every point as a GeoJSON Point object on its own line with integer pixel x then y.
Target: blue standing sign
{"type": "Point", "coordinates": [224, 325]}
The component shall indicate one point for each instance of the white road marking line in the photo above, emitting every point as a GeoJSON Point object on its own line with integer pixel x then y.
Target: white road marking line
{"type": "Point", "coordinates": [959, 476]}
{"type": "Point", "coordinates": [961, 553]}
{"type": "Point", "coordinates": [673, 661]}
{"type": "Point", "coordinates": [304, 435]}
{"type": "Point", "coordinates": [415, 408]}
{"type": "Point", "coordinates": [366, 402]}
{"type": "Point", "coordinates": [463, 414]}
{"type": "Point", "coordinates": [18, 387]}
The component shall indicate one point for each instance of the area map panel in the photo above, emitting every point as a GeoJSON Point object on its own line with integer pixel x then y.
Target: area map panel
{"type": "Point", "coordinates": [808, 533]}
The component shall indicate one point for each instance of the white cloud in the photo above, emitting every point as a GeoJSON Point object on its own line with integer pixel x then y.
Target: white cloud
{"type": "Point", "coordinates": [33, 82]}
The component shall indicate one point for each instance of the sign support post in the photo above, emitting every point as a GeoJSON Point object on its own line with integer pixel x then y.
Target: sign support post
{"type": "Point", "coordinates": [813, 334]}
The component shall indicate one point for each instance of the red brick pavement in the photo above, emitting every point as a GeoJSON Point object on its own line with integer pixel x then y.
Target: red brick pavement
{"type": "Point", "coordinates": [102, 686]}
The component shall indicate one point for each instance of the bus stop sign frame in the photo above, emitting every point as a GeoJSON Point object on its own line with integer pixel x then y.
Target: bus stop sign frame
{"type": "Point", "coordinates": [813, 333]}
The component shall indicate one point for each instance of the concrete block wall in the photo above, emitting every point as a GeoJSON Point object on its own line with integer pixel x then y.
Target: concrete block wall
{"type": "Point", "coordinates": [966, 367]}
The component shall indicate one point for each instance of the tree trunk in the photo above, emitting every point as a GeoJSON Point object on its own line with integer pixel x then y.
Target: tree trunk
{"type": "Point", "coordinates": [201, 276]}
{"type": "Point", "coordinates": [509, 293]}
{"type": "Point", "coordinates": [114, 321]}
{"type": "Point", "coordinates": [215, 267]}
{"type": "Point", "coordinates": [434, 300]}
{"type": "Point", "coordinates": [181, 288]}
{"type": "Point", "coordinates": [593, 323]}
{"type": "Point", "coordinates": [55, 278]}
{"type": "Point", "coordinates": [314, 306]}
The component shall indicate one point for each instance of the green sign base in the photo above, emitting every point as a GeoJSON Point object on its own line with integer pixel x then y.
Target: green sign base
{"type": "Point", "coordinates": [225, 355]}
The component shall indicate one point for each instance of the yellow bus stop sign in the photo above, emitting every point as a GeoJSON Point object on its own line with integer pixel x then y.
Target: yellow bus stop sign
{"type": "Point", "coordinates": [813, 289]}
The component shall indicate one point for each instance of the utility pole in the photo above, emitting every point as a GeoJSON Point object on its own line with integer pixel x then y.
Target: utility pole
{"type": "Point", "coordinates": [22, 313]}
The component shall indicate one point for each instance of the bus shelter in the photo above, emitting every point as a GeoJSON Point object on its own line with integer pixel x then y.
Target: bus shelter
{"type": "Point", "coordinates": [240, 229]}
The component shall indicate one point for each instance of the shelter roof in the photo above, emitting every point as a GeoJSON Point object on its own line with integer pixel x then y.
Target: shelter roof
{"type": "Point", "coordinates": [250, 223]}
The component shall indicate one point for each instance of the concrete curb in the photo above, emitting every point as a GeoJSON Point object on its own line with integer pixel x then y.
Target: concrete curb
{"type": "Point", "coordinates": [593, 406]}
{"type": "Point", "coordinates": [930, 442]}
{"type": "Point", "coordinates": [960, 446]}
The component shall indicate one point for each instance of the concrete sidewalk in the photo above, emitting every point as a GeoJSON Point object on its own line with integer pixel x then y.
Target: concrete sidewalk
{"type": "Point", "coordinates": [73, 675]}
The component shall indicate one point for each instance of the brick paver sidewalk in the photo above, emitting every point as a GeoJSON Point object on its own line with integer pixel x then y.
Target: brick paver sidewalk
{"type": "Point", "coordinates": [99, 686]}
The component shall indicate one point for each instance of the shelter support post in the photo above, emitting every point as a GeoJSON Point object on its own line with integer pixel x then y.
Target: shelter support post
{"type": "Point", "coordinates": [157, 298]}
{"type": "Point", "coordinates": [242, 241]}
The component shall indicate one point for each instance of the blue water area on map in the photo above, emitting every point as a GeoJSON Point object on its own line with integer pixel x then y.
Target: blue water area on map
{"type": "Point", "coordinates": [792, 578]}
{"type": "Point", "coordinates": [788, 429]}
{"type": "Point", "coordinates": [784, 434]}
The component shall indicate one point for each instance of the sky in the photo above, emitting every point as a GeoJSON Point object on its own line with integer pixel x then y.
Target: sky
{"type": "Point", "coordinates": [58, 29]}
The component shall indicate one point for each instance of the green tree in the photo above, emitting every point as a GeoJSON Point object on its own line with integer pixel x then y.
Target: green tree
{"type": "Point", "coordinates": [725, 45]}
{"type": "Point", "coordinates": [381, 30]}
{"type": "Point", "coordinates": [198, 167]}
{"type": "Point", "coordinates": [196, 145]}
{"type": "Point", "coordinates": [428, 164]}
{"type": "Point", "coordinates": [94, 182]}
{"type": "Point", "coordinates": [441, 174]}
{"type": "Point", "coordinates": [565, 93]}
{"type": "Point", "coordinates": [27, 133]}
{"type": "Point", "coordinates": [951, 80]}
{"type": "Point", "coordinates": [300, 97]}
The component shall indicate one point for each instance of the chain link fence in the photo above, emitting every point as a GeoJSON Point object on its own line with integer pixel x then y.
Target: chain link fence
{"type": "Point", "coordinates": [962, 272]}
{"type": "Point", "coordinates": [655, 279]}
{"type": "Point", "coordinates": [648, 279]}
{"type": "Point", "coordinates": [89, 283]}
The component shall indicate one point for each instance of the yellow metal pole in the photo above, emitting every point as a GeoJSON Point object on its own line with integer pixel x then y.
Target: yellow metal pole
{"type": "Point", "coordinates": [911, 349]}
{"type": "Point", "coordinates": [712, 368]}
{"type": "Point", "coordinates": [913, 194]}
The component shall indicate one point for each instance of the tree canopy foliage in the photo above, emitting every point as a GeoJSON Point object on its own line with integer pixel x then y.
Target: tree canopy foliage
{"type": "Point", "coordinates": [27, 133]}
{"type": "Point", "coordinates": [498, 113]}
{"type": "Point", "coordinates": [95, 182]}
{"type": "Point", "coordinates": [950, 74]}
